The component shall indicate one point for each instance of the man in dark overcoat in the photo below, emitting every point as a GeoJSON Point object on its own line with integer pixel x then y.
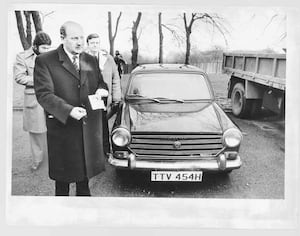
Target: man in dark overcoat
{"type": "Point", "coordinates": [63, 79]}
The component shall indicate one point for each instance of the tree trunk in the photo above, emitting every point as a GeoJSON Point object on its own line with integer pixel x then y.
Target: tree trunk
{"type": "Point", "coordinates": [188, 31]}
{"type": "Point", "coordinates": [21, 31]}
{"type": "Point", "coordinates": [111, 35]}
{"type": "Point", "coordinates": [37, 21]}
{"type": "Point", "coordinates": [161, 37]}
{"type": "Point", "coordinates": [135, 46]}
{"type": "Point", "coordinates": [188, 48]}
{"type": "Point", "coordinates": [28, 27]}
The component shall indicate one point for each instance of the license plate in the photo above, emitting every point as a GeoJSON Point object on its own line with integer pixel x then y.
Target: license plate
{"type": "Point", "coordinates": [182, 176]}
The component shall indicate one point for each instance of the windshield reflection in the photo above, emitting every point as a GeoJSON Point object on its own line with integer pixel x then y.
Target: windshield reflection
{"type": "Point", "coordinates": [169, 86]}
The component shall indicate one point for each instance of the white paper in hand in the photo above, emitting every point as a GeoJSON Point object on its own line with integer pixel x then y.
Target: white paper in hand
{"type": "Point", "coordinates": [96, 102]}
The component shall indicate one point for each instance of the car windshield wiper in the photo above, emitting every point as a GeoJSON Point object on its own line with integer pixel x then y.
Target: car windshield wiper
{"type": "Point", "coordinates": [142, 97]}
{"type": "Point", "coordinates": [199, 100]}
{"type": "Point", "coordinates": [169, 99]}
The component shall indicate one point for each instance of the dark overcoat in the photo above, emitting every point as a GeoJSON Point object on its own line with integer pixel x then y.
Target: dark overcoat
{"type": "Point", "coordinates": [75, 148]}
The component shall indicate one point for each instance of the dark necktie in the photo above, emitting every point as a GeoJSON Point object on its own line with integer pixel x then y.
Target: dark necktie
{"type": "Point", "coordinates": [75, 62]}
{"type": "Point", "coordinates": [96, 55]}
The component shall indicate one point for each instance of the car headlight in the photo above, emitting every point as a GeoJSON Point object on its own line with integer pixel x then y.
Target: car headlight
{"type": "Point", "coordinates": [121, 137]}
{"type": "Point", "coordinates": [232, 137]}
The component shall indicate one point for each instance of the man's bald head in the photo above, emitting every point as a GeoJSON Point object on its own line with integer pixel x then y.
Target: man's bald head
{"type": "Point", "coordinates": [72, 37]}
{"type": "Point", "coordinates": [68, 25]}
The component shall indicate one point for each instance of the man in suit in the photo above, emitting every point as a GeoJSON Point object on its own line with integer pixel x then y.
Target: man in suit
{"type": "Point", "coordinates": [63, 80]}
{"type": "Point", "coordinates": [33, 114]}
{"type": "Point", "coordinates": [111, 77]}
{"type": "Point", "coordinates": [108, 69]}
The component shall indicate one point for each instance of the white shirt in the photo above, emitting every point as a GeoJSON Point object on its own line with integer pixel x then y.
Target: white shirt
{"type": "Point", "coordinates": [101, 56]}
{"type": "Point", "coordinates": [102, 59]}
{"type": "Point", "coordinates": [70, 55]}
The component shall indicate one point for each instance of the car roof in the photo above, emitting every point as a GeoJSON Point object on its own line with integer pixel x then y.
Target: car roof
{"type": "Point", "coordinates": [166, 68]}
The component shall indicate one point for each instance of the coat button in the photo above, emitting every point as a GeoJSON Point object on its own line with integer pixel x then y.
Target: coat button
{"type": "Point", "coordinates": [78, 86]}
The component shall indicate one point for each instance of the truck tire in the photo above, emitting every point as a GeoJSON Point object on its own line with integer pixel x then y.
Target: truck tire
{"type": "Point", "coordinates": [239, 104]}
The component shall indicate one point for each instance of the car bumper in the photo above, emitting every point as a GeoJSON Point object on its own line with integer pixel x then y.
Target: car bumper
{"type": "Point", "coordinates": [219, 163]}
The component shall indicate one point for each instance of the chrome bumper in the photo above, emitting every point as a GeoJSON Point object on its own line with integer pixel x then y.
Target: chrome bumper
{"type": "Point", "coordinates": [219, 164]}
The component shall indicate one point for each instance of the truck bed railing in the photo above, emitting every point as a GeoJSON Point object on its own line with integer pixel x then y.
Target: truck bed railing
{"type": "Point", "coordinates": [266, 69]}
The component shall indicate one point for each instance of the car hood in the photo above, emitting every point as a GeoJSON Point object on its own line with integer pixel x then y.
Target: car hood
{"type": "Point", "coordinates": [202, 118]}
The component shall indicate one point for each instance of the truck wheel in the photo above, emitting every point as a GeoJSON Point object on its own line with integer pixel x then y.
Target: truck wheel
{"type": "Point", "coordinates": [239, 104]}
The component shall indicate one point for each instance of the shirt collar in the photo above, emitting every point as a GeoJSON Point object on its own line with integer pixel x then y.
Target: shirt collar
{"type": "Point", "coordinates": [29, 53]}
{"type": "Point", "coordinates": [70, 55]}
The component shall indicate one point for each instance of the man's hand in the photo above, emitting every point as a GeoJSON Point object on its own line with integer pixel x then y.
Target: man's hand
{"type": "Point", "coordinates": [101, 93]}
{"type": "Point", "coordinates": [77, 113]}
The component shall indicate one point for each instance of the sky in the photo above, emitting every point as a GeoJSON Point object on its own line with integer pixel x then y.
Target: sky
{"type": "Point", "coordinates": [248, 28]}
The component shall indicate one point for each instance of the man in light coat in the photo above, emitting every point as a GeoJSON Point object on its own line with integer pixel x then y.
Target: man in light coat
{"type": "Point", "coordinates": [63, 80]}
{"type": "Point", "coordinates": [33, 114]}
{"type": "Point", "coordinates": [108, 68]}
{"type": "Point", "coordinates": [111, 77]}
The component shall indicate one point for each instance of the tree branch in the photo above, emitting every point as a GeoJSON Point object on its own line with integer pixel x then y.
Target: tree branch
{"type": "Point", "coordinates": [117, 25]}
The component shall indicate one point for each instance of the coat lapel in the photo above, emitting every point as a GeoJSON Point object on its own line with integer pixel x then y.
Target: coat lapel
{"type": "Point", "coordinates": [66, 62]}
{"type": "Point", "coordinates": [84, 67]}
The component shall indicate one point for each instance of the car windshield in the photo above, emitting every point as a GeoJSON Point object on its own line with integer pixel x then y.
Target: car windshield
{"type": "Point", "coordinates": [169, 86]}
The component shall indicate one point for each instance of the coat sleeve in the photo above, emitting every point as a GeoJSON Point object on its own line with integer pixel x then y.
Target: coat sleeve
{"type": "Point", "coordinates": [101, 83]}
{"type": "Point", "coordinates": [44, 89]}
{"type": "Point", "coordinates": [116, 82]}
{"type": "Point", "coordinates": [20, 69]}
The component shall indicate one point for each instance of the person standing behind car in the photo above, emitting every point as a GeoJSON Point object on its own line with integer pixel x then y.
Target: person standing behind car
{"type": "Point", "coordinates": [33, 114]}
{"type": "Point", "coordinates": [110, 76]}
{"type": "Point", "coordinates": [119, 61]}
{"type": "Point", "coordinates": [108, 69]}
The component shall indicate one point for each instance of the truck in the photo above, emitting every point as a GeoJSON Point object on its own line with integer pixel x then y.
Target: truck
{"type": "Point", "coordinates": [257, 81]}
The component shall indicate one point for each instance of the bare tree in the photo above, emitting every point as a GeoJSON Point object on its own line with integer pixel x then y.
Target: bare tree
{"type": "Point", "coordinates": [111, 35]}
{"type": "Point", "coordinates": [37, 21]}
{"type": "Point", "coordinates": [161, 38]}
{"type": "Point", "coordinates": [173, 29]}
{"type": "Point", "coordinates": [135, 45]}
{"type": "Point", "coordinates": [26, 35]}
{"type": "Point", "coordinates": [213, 20]}
{"type": "Point", "coordinates": [21, 30]}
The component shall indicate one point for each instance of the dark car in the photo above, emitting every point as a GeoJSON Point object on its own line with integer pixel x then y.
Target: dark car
{"type": "Point", "coordinates": [171, 125]}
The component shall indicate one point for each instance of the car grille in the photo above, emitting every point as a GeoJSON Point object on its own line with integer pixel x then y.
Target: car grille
{"type": "Point", "coordinates": [175, 146]}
